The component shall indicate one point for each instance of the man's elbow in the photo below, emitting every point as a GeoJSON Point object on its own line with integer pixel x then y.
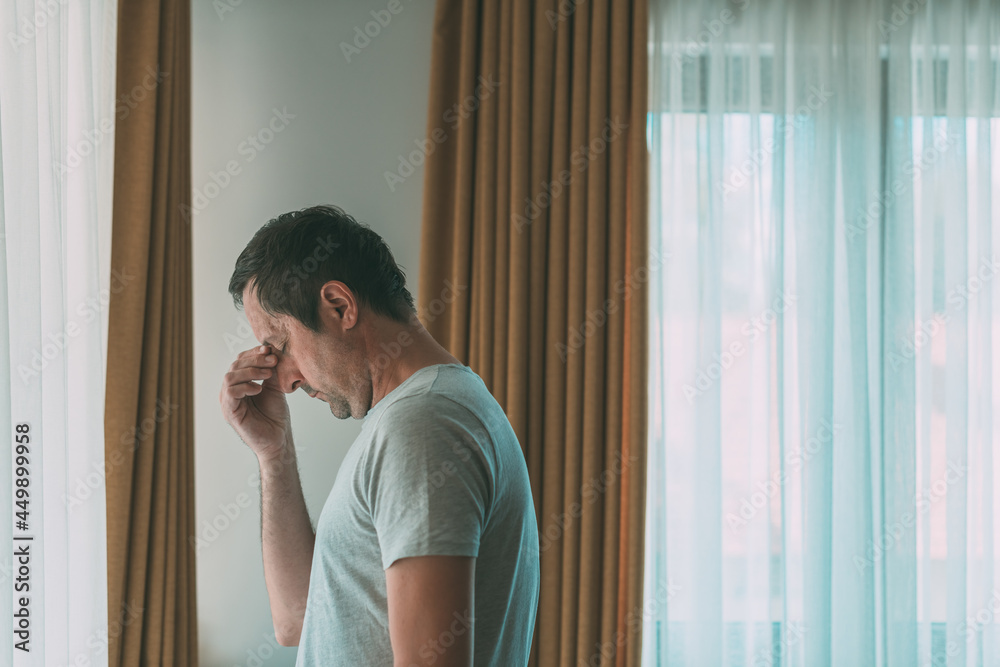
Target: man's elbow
{"type": "Point", "coordinates": [287, 640]}
{"type": "Point", "coordinates": [287, 634]}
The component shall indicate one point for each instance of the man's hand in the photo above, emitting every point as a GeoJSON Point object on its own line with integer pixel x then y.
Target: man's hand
{"type": "Point", "coordinates": [431, 610]}
{"type": "Point", "coordinates": [258, 412]}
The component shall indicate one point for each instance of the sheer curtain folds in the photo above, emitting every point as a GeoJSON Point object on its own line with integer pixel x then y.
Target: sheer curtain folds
{"type": "Point", "coordinates": [57, 111]}
{"type": "Point", "coordinates": [822, 449]}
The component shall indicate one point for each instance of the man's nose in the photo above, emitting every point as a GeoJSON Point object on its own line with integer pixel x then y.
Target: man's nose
{"type": "Point", "coordinates": [289, 379]}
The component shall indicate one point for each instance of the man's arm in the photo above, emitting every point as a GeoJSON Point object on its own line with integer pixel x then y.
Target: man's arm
{"type": "Point", "coordinates": [288, 539]}
{"type": "Point", "coordinates": [259, 414]}
{"type": "Point", "coordinates": [431, 610]}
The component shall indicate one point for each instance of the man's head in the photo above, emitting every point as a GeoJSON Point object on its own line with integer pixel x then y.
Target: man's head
{"type": "Point", "coordinates": [313, 283]}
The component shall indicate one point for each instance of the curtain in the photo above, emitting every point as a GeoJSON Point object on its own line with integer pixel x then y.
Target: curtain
{"type": "Point", "coordinates": [822, 343]}
{"type": "Point", "coordinates": [149, 394]}
{"type": "Point", "coordinates": [533, 272]}
{"type": "Point", "coordinates": [56, 142]}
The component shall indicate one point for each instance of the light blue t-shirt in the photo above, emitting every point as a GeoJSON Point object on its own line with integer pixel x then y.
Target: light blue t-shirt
{"type": "Point", "coordinates": [436, 470]}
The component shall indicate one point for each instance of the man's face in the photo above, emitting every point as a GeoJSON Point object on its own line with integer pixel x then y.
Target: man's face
{"type": "Point", "coordinates": [325, 365]}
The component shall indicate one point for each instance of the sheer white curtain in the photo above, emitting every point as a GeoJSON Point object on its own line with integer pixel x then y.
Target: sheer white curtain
{"type": "Point", "coordinates": [823, 381]}
{"type": "Point", "coordinates": [57, 113]}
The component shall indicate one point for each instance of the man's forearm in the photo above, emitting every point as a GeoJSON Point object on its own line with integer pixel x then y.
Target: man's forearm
{"type": "Point", "coordinates": [288, 539]}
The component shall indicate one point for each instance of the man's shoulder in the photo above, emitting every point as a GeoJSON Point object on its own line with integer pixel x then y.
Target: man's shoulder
{"type": "Point", "coordinates": [444, 390]}
{"type": "Point", "coordinates": [448, 411]}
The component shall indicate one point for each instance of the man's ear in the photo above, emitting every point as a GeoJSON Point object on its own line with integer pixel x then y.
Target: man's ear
{"type": "Point", "coordinates": [337, 302]}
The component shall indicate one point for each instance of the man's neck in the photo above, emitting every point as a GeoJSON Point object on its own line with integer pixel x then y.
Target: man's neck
{"type": "Point", "coordinates": [400, 350]}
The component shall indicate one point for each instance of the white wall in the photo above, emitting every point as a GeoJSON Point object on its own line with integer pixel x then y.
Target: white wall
{"type": "Point", "coordinates": [351, 122]}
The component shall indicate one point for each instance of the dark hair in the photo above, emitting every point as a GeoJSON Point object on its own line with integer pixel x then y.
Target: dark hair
{"type": "Point", "coordinates": [295, 254]}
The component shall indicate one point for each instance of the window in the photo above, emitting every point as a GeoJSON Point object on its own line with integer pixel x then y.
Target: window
{"type": "Point", "coordinates": [822, 450]}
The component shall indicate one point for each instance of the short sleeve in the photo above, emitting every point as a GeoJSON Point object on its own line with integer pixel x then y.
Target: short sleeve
{"type": "Point", "coordinates": [430, 480]}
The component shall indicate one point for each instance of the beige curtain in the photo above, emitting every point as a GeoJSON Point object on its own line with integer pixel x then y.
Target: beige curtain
{"type": "Point", "coordinates": [533, 272]}
{"type": "Point", "coordinates": [148, 419]}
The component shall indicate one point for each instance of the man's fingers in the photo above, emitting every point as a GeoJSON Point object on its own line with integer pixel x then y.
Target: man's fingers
{"type": "Point", "coordinates": [257, 363]}
{"type": "Point", "coordinates": [240, 391]}
{"type": "Point", "coordinates": [246, 374]}
{"type": "Point", "coordinates": [232, 394]}
{"type": "Point", "coordinates": [262, 355]}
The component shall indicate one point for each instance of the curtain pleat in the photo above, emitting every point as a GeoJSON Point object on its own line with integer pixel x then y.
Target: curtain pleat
{"type": "Point", "coordinates": [149, 395]}
{"type": "Point", "coordinates": [535, 216]}
{"type": "Point", "coordinates": [56, 139]}
{"type": "Point", "coordinates": [821, 448]}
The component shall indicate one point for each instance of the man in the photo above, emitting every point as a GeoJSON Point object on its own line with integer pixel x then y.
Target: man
{"type": "Point", "coordinates": [426, 551]}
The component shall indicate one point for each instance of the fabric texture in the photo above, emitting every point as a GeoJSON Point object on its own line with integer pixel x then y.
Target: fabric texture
{"type": "Point", "coordinates": [823, 446]}
{"type": "Point", "coordinates": [436, 470]}
{"type": "Point", "coordinates": [149, 396]}
{"type": "Point", "coordinates": [57, 100]}
{"type": "Point", "coordinates": [533, 271]}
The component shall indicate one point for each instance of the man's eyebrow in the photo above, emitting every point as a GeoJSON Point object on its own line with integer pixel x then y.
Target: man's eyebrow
{"type": "Point", "coordinates": [282, 337]}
